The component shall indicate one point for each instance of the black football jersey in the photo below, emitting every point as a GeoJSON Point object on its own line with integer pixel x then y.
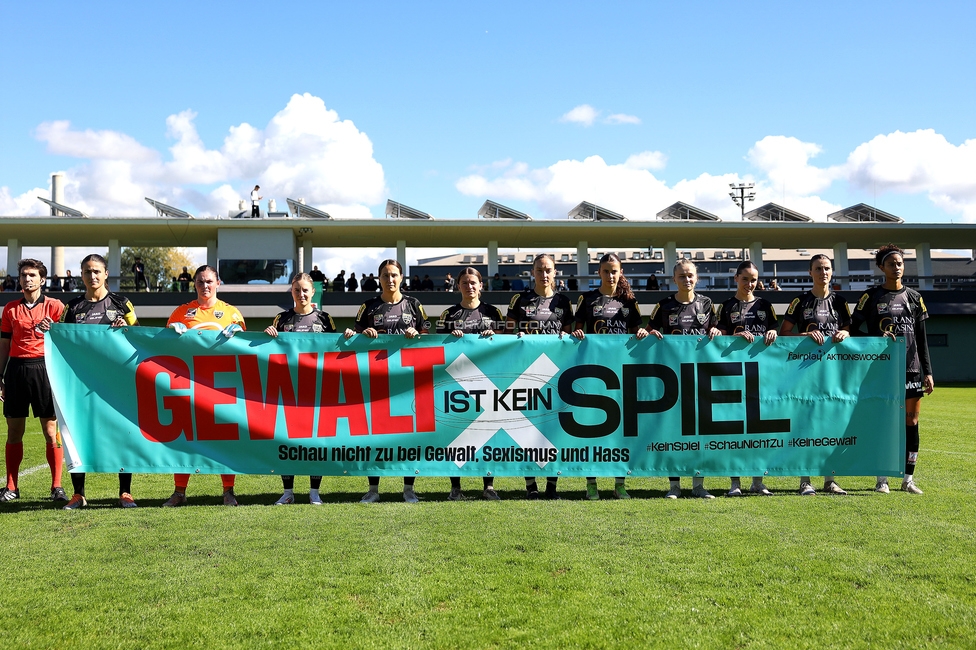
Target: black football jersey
{"type": "Point", "coordinates": [535, 314]}
{"type": "Point", "coordinates": [597, 313]}
{"type": "Point", "coordinates": [755, 316]}
{"type": "Point", "coordinates": [101, 312]}
{"type": "Point", "coordinates": [809, 313]}
{"type": "Point", "coordinates": [898, 312]}
{"type": "Point", "coordinates": [314, 321]}
{"type": "Point", "coordinates": [392, 318]}
{"type": "Point", "coordinates": [673, 317]}
{"type": "Point", "coordinates": [471, 321]}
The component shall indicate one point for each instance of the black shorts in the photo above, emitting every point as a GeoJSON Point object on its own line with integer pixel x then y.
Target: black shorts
{"type": "Point", "coordinates": [26, 387]}
{"type": "Point", "coordinates": [913, 385]}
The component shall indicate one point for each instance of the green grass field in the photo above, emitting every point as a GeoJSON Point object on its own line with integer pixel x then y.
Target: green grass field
{"type": "Point", "coordinates": [861, 571]}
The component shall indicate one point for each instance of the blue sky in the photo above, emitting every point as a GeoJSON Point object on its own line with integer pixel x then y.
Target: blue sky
{"type": "Point", "coordinates": [443, 105]}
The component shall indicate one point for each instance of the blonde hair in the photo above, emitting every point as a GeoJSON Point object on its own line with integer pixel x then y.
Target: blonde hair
{"type": "Point", "coordinates": [684, 261]}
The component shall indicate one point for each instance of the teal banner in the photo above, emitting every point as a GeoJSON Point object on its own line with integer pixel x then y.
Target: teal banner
{"type": "Point", "coordinates": [144, 399]}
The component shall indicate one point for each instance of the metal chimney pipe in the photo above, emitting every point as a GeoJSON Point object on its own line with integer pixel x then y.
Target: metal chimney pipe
{"type": "Point", "coordinates": [57, 252]}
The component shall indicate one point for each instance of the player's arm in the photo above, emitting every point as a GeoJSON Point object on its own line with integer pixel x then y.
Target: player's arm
{"type": "Point", "coordinates": [4, 355]}
{"type": "Point", "coordinates": [858, 318]}
{"type": "Point", "coordinates": [654, 323]}
{"type": "Point", "coordinates": [924, 358]}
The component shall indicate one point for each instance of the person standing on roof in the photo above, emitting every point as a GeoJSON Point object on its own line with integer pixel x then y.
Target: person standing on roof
{"type": "Point", "coordinates": [255, 205]}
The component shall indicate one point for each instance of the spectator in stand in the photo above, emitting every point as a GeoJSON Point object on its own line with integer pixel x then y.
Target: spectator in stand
{"type": "Point", "coordinates": [69, 282]}
{"type": "Point", "coordinates": [517, 284]}
{"type": "Point", "coordinates": [415, 284]}
{"type": "Point", "coordinates": [774, 285]}
{"type": "Point", "coordinates": [139, 273]}
{"type": "Point", "coordinates": [55, 283]}
{"type": "Point", "coordinates": [185, 279]}
{"type": "Point", "coordinates": [448, 283]}
{"type": "Point", "coordinates": [506, 285]}
{"type": "Point", "coordinates": [497, 284]}
{"type": "Point", "coordinates": [352, 284]}
{"type": "Point", "coordinates": [427, 284]}
{"type": "Point", "coordinates": [369, 284]}
{"type": "Point", "coordinates": [339, 282]}
{"type": "Point", "coordinates": [652, 284]}
{"type": "Point", "coordinates": [316, 274]}
{"type": "Point", "coordinates": [9, 284]}
{"type": "Point", "coordinates": [573, 283]}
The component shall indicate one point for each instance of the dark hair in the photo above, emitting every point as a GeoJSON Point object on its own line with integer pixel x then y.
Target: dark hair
{"type": "Point", "coordinates": [623, 289]}
{"type": "Point", "coordinates": [205, 267]}
{"type": "Point", "coordinates": [885, 251]}
{"type": "Point", "coordinates": [470, 270]}
{"type": "Point", "coordinates": [95, 257]}
{"type": "Point", "coordinates": [748, 264]}
{"type": "Point", "coordinates": [386, 263]}
{"type": "Point", "coordinates": [541, 256]}
{"type": "Point", "coordinates": [31, 263]}
{"type": "Point", "coordinates": [820, 256]}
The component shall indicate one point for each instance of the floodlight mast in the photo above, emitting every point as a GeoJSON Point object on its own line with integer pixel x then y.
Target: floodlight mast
{"type": "Point", "coordinates": [742, 192]}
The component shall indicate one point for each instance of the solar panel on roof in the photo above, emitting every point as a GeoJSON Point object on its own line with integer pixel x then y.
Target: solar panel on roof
{"type": "Point", "coordinates": [64, 210]}
{"type": "Point", "coordinates": [683, 212]}
{"type": "Point", "coordinates": [302, 211]}
{"type": "Point", "coordinates": [163, 210]}
{"type": "Point", "coordinates": [863, 212]}
{"type": "Point", "coordinates": [773, 212]}
{"type": "Point", "coordinates": [401, 211]}
{"type": "Point", "coordinates": [492, 210]}
{"type": "Point", "coordinates": [589, 211]}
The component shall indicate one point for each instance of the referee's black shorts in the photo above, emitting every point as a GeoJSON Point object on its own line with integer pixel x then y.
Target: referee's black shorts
{"type": "Point", "coordinates": [26, 386]}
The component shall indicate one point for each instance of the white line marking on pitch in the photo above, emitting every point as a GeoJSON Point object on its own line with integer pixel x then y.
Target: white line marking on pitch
{"type": "Point", "coordinates": [32, 470]}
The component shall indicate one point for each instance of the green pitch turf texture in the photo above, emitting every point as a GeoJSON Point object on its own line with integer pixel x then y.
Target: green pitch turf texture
{"type": "Point", "coordinates": [862, 571]}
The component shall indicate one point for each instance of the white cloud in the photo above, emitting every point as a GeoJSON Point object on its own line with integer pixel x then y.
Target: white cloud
{"type": "Point", "coordinates": [629, 188]}
{"type": "Point", "coordinates": [583, 114]}
{"type": "Point", "coordinates": [586, 115]}
{"type": "Point", "coordinates": [786, 163]}
{"type": "Point", "coordinates": [919, 162]}
{"type": "Point", "coordinates": [304, 151]}
{"type": "Point", "coordinates": [622, 118]}
{"type": "Point", "coordinates": [923, 162]}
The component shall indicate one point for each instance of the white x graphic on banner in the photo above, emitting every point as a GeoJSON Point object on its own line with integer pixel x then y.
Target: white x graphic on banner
{"type": "Point", "coordinates": [490, 422]}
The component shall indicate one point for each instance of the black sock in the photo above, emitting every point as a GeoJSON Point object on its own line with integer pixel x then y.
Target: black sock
{"type": "Point", "coordinates": [530, 484]}
{"type": "Point", "coordinates": [314, 482]}
{"type": "Point", "coordinates": [78, 482]}
{"type": "Point", "coordinates": [374, 481]}
{"type": "Point", "coordinates": [408, 481]}
{"type": "Point", "coordinates": [911, 448]}
{"type": "Point", "coordinates": [489, 482]}
{"type": "Point", "coordinates": [456, 482]}
{"type": "Point", "coordinates": [288, 481]}
{"type": "Point", "coordinates": [551, 483]}
{"type": "Point", "coordinates": [125, 483]}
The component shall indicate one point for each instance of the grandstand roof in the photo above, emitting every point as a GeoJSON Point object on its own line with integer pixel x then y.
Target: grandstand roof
{"type": "Point", "coordinates": [539, 234]}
